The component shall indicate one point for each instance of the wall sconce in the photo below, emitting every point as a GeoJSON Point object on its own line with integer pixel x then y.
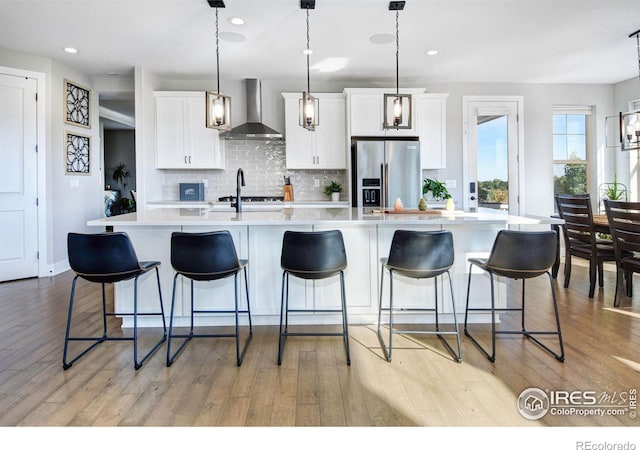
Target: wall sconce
{"type": "Point", "coordinates": [630, 121]}
{"type": "Point", "coordinates": [218, 106]}
{"type": "Point", "coordinates": [309, 107]}
{"type": "Point", "coordinates": [397, 107]}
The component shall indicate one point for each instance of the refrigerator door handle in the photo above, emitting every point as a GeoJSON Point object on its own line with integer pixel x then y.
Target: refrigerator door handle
{"type": "Point", "coordinates": [386, 185]}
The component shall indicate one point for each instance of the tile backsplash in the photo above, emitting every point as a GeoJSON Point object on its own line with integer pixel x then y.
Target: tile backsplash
{"type": "Point", "coordinates": [264, 167]}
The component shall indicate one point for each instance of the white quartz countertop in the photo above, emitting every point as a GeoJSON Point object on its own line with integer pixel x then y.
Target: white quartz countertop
{"type": "Point", "coordinates": [339, 216]}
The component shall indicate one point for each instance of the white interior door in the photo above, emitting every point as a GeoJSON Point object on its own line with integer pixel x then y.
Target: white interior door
{"type": "Point", "coordinates": [491, 156]}
{"type": "Point", "coordinates": [18, 178]}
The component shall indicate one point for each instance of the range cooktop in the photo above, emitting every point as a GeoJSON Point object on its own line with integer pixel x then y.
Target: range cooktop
{"type": "Point", "coordinates": [252, 198]}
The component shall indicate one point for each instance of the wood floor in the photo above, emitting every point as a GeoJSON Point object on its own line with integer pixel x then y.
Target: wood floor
{"type": "Point", "coordinates": [314, 387]}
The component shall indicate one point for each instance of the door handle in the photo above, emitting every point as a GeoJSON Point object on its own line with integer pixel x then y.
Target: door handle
{"type": "Point", "coordinates": [472, 198]}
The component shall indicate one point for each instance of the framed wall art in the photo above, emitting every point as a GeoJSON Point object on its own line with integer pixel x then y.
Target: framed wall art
{"type": "Point", "coordinates": [77, 150]}
{"type": "Point", "coordinates": [77, 104]}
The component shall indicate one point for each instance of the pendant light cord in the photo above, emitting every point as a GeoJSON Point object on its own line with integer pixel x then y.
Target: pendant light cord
{"type": "Point", "coordinates": [638, 46]}
{"type": "Point", "coordinates": [217, 54]}
{"type": "Point", "coordinates": [308, 80]}
{"type": "Point", "coordinates": [397, 54]}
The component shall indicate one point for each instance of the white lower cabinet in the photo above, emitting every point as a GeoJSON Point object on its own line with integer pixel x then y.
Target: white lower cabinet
{"type": "Point", "coordinates": [262, 246]}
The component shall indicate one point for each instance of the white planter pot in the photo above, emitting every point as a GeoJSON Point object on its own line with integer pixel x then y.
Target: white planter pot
{"type": "Point", "coordinates": [335, 196]}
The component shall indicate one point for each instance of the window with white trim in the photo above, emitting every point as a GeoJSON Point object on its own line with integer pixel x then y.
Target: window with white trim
{"type": "Point", "coordinates": [571, 149]}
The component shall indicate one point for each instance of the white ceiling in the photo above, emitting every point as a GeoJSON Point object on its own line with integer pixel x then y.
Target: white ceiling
{"type": "Point", "coordinates": [540, 41]}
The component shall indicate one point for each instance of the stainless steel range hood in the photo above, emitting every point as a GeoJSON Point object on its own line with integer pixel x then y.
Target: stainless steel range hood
{"type": "Point", "coordinates": [253, 128]}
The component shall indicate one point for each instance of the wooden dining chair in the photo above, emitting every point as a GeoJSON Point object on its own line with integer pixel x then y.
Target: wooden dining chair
{"type": "Point", "coordinates": [581, 240]}
{"type": "Point", "coordinates": [624, 223]}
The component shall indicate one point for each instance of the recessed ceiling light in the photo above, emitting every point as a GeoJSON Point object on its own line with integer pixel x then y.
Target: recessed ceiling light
{"type": "Point", "coordinates": [71, 50]}
{"type": "Point", "coordinates": [382, 38]}
{"type": "Point", "coordinates": [236, 21]}
{"type": "Point", "coordinates": [306, 52]}
{"type": "Point", "coordinates": [431, 52]}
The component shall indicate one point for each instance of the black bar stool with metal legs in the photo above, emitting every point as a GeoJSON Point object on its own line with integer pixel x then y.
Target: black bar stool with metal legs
{"type": "Point", "coordinates": [312, 255]}
{"type": "Point", "coordinates": [517, 255]}
{"type": "Point", "coordinates": [207, 257]}
{"type": "Point", "coordinates": [418, 255]}
{"type": "Point", "coordinates": [108, 258]}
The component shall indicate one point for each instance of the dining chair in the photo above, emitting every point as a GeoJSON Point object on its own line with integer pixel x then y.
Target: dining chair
{"type": "Point", "coordinates": [581, 239]}
{"type": "Point", "coordinates": [624, 223]}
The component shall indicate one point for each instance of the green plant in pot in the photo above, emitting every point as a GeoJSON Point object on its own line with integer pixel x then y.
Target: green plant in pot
{"type": "Point", "coordinates": [615, 190]}
{"type": "Point", "coordinates": [437, 189]}
{"type": "Point", "coordinates": [333, 190]}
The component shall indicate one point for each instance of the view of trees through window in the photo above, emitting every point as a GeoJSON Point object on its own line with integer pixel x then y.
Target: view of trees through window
{"type": "Point", "coordinates": [570, 153]}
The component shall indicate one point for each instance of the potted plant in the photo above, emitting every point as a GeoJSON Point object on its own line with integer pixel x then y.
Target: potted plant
{"type": "Point", "coordinates": [333, 190]}
{"type": "Point", "coordinates": [437, 189]}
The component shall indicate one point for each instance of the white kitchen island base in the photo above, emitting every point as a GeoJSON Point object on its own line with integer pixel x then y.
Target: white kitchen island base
{"type": "Point", "coordinates": [258, 238]}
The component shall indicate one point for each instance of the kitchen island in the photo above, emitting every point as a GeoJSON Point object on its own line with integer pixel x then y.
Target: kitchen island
{"type": "Point", "coordinates": [258, 233]}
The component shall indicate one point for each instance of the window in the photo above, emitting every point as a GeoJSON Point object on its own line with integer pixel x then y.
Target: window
{"type": "Point", "coordinates": [570, 150]}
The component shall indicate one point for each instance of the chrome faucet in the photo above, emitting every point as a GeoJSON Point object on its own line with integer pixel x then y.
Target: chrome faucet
{"type": "Point", "coordinates": [239, 183]}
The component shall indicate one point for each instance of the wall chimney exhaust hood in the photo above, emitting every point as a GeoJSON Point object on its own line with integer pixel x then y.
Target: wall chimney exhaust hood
{"type": "Point", "coordinates": [253, 128]}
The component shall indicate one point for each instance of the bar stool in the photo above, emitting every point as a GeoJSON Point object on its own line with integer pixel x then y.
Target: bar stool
{"type": "Point", "coordinates": [108, 258]}
{"type": "Point", "coordinates": [517, 255]}
{"type": "Point", "coordinates": [312, 255]}
{"type": "Point", "coordinates": [418, 255]}
{"type": "Point", "coordinates": [207, 257]}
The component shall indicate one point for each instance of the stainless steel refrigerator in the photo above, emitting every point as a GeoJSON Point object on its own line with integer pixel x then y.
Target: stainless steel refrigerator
{"type": "Point", "coordinates": [384, 170]}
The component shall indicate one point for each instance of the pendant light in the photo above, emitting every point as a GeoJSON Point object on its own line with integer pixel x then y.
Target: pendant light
{"type": "Point", "coordinates": [397, 107]}
{"type": "Point", "coordinates": [218, 106]}
{"type": "Point", "coordinates": [309, 107]}
{"type": "Point", "coordinates": [630, 122]}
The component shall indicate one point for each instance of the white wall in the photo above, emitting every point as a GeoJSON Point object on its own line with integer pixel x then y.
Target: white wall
{"type": "Point", "coordinates": [66, 209]}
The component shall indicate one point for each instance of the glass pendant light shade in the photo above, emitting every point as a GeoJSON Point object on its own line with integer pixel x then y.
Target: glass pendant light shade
{"type": "Point", "coordinates": [309, 106]}
{"type": "Point", "coordinates": [397, 111]}
{"type": "Point", "coordinates": [397, 107]}
{"type": "Point", "coordinates": [218, 111]}
{"type": "Point", "coordinates": [309, 109]}
{"type": "Point", "coordinates": [630, 121]}
{"type": "Point", "coordinates": [218, 106]}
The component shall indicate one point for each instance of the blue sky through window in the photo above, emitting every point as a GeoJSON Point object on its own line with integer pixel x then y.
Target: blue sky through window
{"type": "Point", "coordinates": [493, 158]}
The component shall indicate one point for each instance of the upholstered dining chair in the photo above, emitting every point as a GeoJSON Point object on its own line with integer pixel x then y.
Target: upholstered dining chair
{"type": "Point", "coordinates": [624, 223]}
{"type": "Point", "coordinates": [581, 240]}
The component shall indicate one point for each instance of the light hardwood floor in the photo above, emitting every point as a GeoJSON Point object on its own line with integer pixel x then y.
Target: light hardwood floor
{"type": "Point", "coordinates": [422, 386]}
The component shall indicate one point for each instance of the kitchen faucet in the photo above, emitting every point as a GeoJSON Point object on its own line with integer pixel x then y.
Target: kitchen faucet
{"type": "Point", "coordinates": [239, 183]}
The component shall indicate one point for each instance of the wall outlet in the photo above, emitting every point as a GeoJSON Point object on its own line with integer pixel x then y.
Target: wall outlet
{"type": "Point", "coordinates": [451, 184]}
{"type": "Point", "coordinates": [316, 182]}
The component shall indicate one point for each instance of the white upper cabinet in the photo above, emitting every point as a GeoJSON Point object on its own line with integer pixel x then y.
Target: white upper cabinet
{"type": "Point", "coordinates": [324, 148]}
{"type": "Point", "coordinates": [182, 139]}
{"type": "Point", "coordinates": [366, 112]}
{"type": "Point", "coordinates": [431, 113]}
